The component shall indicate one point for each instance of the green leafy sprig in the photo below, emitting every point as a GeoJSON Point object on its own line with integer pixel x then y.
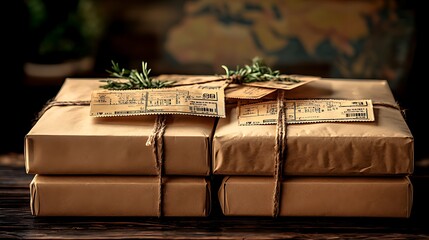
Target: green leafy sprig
{"type": "Point", "coordinates": [257, 72]}
{"type": "Point", "coordinates": [136, 79]}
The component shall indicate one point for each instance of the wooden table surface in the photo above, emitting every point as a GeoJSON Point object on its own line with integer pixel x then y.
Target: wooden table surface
{"type": "Point", "coordinates": [16, 220]}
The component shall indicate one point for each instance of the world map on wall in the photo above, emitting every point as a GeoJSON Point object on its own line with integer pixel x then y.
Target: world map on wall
{"type": "Point", "coordinates": [360, 39]}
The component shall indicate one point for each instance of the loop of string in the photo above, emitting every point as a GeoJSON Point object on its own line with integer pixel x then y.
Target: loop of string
{"type": "Point", "coordinates": [280, 151]}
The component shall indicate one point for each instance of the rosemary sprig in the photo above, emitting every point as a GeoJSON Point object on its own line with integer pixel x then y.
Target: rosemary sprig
{"type": "Point", "coordinates": [257, 72]}
{"type": "Point", "coordinates": [136, 79]}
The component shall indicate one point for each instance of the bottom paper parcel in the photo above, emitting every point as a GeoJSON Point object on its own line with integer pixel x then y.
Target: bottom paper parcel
{"type": "Point", "coordinates": [118, 196]}
{"type": "Point", "coordinates": [318, 196]}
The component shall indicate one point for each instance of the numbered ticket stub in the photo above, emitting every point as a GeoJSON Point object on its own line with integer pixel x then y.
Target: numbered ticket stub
{"type": "Point", "coordinates": [307, 111]}
{"type": "Point", "coordinates": [203, 101]}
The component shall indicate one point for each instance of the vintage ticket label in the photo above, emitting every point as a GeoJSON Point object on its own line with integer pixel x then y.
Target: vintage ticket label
{"type": "Point", "coordinates": [198, 100]}
{"type": "Point", "coordinates": [307, 111]}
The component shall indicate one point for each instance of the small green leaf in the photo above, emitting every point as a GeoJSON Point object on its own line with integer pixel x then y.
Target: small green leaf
{"type": "Point", "coordinates": [136, 79]}
{"type": "Point", "coordinates": [257, 72]}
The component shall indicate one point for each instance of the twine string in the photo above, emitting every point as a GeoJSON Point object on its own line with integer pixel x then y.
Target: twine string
{"type": "Point", "coordinates": [280, 151]}
{"type": "Point", "coordinates": [156, 140]}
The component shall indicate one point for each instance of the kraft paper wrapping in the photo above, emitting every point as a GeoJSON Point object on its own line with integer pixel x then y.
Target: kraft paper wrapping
{"type": "Point", "coordinates": [318, 196]}
{"type": "Point", "coordinates": [66, 140]}
{"type": "Point", "coordinates": [383, 147]}
{"type": "Point", "coordinates": [118, 196]}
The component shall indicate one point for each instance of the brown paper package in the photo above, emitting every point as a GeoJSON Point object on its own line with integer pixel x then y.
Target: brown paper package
{"type": "Point", "coordinates": [383, 147]}
{"type": "Point", "coordinates": [318, 196]}
{"type": "Point", "coordinates": [118, 196]}
{"type": "Point", "coordinates": [113, 145]}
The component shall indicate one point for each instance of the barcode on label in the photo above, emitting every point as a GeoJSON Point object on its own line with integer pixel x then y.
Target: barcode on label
{"type": "Point", "coordinates": [202, 109]}
{"type": "Point", "coordinates": [357, 115]}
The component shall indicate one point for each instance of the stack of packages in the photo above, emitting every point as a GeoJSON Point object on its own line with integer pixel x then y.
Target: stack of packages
{"type": "Point", "coordinates": [306, 147]}
{"type": "Point", "coordinates": [323, 166]}
{"type": "Point", "coordinates": [86, 166]}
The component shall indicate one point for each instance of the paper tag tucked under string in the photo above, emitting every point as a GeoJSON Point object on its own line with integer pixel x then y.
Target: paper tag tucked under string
{"type": "Point", "coordinates": [200, 100]}
{"type": "Point", "coordinates": [253, 90]}
{"type": "Point", "coordinates": [238, 91]}
{"type": "Point", "coordinates": [258, 90]}
{"type": "Point", "coordinates": [307, 111]}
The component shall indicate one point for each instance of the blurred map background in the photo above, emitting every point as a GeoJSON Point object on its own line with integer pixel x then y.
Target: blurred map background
{"type": "Point", "coordinates": [332, 38]}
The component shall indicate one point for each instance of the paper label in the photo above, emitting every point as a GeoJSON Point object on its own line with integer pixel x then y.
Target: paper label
{"type": "Point", "coordinates": [307, 111]}
{"type": "Point", "coordinates": [246, 92]}
{"type": "Point", "coordinates": [197, 100]}
{"type": "Point", "coordinates": [255, 90]}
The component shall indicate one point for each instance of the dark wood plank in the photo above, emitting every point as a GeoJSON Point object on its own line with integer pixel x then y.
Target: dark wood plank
{"type": "Point", "coordinates": [16, 221]}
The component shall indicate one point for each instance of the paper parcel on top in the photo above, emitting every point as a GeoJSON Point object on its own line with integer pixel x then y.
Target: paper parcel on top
{"type": "Point", "coordinates": [67, 140]}
{"type": "Point", "coordinates": [384, 146]}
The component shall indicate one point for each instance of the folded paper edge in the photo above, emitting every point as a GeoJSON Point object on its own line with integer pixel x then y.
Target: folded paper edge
{"type": "Point", "coordinates": [208, 197]}
{"type": "Point", "coordinates": [410, 191]}
{"type": "Point", "coordinates": [34, 198]}
{"type": "Point", "coordinates": [222, 195]}
{"type": "Point", "coordinates": [28, 152]}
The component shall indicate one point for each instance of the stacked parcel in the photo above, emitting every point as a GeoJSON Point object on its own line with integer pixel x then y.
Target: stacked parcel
{"type": "Point", "coordinates": [86, 166]}
{"type": "Point", "coordinates": [329, 168]}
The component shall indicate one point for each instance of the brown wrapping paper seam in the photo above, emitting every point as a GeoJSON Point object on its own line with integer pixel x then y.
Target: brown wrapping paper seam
{"type": "Point", "coordinates": [118, 196]}
{"type": "Point", "coordinates": [318, 196]}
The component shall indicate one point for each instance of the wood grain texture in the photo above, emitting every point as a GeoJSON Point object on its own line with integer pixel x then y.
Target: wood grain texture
{"type": "Point", "coordinates": [17, 222]}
